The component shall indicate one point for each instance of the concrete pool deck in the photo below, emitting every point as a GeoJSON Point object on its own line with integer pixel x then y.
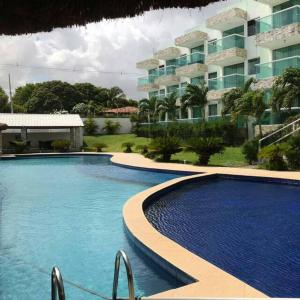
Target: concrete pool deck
{"type": "Point", "coordinates": [210, 281]}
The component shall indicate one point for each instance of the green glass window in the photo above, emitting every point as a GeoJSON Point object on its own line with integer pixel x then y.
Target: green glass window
{"type": "Point", "coordinates": [153, 94]}
{"type": "Point", "coordinates": [198, 49]}
{"type": "Point", "coordinates": [184, 113]}
{"type": "Point", "coordinates": [285, 5]}
{"type": "Point", "coordinates": [251, 27]}
{"type": "Point", "coordinates": [234, 69]}
{"type": "Point", "coordinates": [183, 84]}
{"type": "Point", "coordinates": [289, 51]}
{"type": "Point", "coordinates": [171, 62]}
{"type": "Point", "coordinates": [213, 109]}
{"type": "Point", "coordinates": [196, 112]}
{"type": "Point", "coordinates": [212, 75]}
{"type": "Point", "coordinates": [251, 65]}
{"type": "Point", "coordinates": [235, 30]}
{"type": "Point", "coordinates": [172, 88]}
{"type": "Point", "coordinates": [197, 80]}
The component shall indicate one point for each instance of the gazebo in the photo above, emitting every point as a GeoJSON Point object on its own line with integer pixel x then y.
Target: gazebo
{"type": "Point", "coordinates": [39, 130]}
{"type": "Point", "coordinates": [30, 16]}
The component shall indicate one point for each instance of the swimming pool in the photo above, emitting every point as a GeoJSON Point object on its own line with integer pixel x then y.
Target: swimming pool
{"type": "Point", "coordinates": [67, 211]}
{"type": "Point", "coordinates": [249, 228]}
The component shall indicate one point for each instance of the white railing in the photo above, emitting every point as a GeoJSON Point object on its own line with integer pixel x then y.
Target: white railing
{"type": "Point", "coordinates": [280, 134]}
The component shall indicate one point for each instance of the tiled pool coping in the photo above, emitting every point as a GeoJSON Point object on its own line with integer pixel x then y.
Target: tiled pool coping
{"type": "Point", "coordinates": [210, 281]}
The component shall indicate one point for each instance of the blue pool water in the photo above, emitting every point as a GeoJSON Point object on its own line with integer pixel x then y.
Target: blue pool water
{"type": "Point", "coordinates": [249, 229]}
{"type": "Point", "coordinates": [68, 212]}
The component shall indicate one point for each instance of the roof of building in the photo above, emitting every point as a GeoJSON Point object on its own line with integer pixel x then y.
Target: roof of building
{"type": "Point", "coordinates": [40, 120]}
{"type": "Point", "coordinates": [30, 16]}
{"type": "Point", "coordinates": [123, 110]}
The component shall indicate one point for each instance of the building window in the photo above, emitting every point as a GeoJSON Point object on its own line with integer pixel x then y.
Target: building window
{"type": "Point", "coordinates": [172, 88]}
{"type": "Point", "coordinates": [212, 75]}
{"type": "Point", "coordinates": [153, 94]}
{"type": "Point", "coordinates": [251, 27]}
{"type": "Point", "coordinates": [252, 69]}
{"type": "Point", "coordinates": [213, 109]}
{"type": "Point", "coordinates": [234, 69]}
{"type": "Point", "coordinates": [198, 49]}
{"type": "Point", "coordinates": [197, 80]}
{"type": "Point", "coordinates": [235, 30]}
{"type": "Point", "coordinates": [285, 52]}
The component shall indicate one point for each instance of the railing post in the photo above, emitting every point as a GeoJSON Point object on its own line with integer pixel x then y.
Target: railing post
{"type": "Point", "coordinates": [57, 285]}
{"type": "Point", "coordinates": [122, 254]}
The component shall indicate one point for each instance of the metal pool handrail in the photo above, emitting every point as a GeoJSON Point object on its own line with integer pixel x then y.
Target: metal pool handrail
{"type": "Point", "coordinates": [123, 255]}
{"type": "Point", "coordinates": [57, 285]}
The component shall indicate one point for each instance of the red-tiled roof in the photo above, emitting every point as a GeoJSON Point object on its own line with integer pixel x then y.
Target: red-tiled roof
{"type": "Point", "coordinates": [123, 110]}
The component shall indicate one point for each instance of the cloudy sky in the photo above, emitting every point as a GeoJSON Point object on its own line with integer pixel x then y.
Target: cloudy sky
{"type": "Point", "coordinates": [109, 46]}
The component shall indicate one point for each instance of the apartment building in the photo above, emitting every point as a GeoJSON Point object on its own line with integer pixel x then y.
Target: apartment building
{"type": "Point", "coordinates": [252, 38]}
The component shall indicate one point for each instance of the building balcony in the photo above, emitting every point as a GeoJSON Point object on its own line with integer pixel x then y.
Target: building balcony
{"type": "Point", "coordinates": [227, 51]}
{"type": "Point", "coordinates": [191, 65]}
{"type": "Point", "coordinates": [281, 29]}
{"type": "Point", "coordinates": [148, 64]}
{"type": "Point", "coordinates": [168, 53]}
{"type": "Point", "coordinates": [167, 76]}
{"type": "Point", "coordinates": [191, 39]}
{"type": "Point", "coordinates": [276, 67]}
{"type": "Point", "coordinates": [227, 19]}
{"type": "Point", "coordinates": [147, 84]}
{"type": "Point", "coordinates": [218, 86]}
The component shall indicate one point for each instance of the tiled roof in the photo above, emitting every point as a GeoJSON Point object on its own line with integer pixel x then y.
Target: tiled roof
{"type": "Point", "coordinates": [41, 120]}
{"type": "Point", "coordinates": [123, 110]}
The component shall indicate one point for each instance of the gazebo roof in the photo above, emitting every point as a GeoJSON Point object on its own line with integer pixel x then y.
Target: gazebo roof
{"type": "Point", "coordinates": [30, 16]}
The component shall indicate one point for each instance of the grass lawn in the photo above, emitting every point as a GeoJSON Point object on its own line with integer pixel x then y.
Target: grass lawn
{"type": "Point", "coordinates": [231, 157]}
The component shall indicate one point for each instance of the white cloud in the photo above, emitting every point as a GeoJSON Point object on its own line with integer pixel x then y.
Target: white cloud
{"type": "Point", "coordinates": [111, 45]}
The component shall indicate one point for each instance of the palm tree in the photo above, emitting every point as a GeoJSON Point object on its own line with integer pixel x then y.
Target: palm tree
{"type": "Point", "coordinates": [149, 107]}
{"type": "Point", "coordinates": [195, 96]}
{"type": "Point", "coordinates": [168, 106]}
{"type": "Point", "coordinates": [114, 96]}
{"type": "Point", "coordinates": [252, 104]}
{"type": "Point", "coordinates": [231, 98]}
{"type": "Point", "coordinates": [286, 90]}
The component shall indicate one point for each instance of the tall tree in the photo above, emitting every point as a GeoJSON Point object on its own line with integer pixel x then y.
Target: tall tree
{"type": "Point", "coordinates": [115, 96]}
{"type": "Point", "coordinates": [23, 94]}
{"type": "Point", "coordinates": [149, 107]}
{"type": "Point", "coordinates": [168, 106]}
{"type": "Point", "coordinates": [252, 104]}
{"type": "Point", "coordinates": [231, 98]}
{"type": "Point", "coordinates": [4, 106]}
{"type": "Point", "coordinates": [195, 96]}
{"type": "Point", "coordinates": [286, 90]}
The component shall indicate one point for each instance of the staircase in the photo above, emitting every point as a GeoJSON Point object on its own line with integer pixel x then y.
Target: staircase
{"type": "Point", "coordinates": [280, 134]}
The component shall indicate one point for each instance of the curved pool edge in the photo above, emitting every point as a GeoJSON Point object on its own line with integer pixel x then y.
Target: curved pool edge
{"type": "Point", "coordinates": [210, 281]}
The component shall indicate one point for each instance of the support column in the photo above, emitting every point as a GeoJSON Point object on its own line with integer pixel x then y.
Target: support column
{"type": "Point", "coordinates": [190, 112]}
{"type": "Point", "coordinates": [1, 151]}
{"type": "Point", "coordinates": [72, 138]}
{"type": "Point", "coordinates": [24, 134]}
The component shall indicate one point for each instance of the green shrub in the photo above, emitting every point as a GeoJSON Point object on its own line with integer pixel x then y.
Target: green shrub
{"type": "Point", "coordinates": [19, 146]}
{"type": "Point", "coordinates": [111, 127]}
{"type": "Point", "coordinates": [90, 126]}
{"type": "Point", "coordinates": [143, 149]}
{"type": "Point", "coordinates": [204, 147]}
{"type": "Point", "coordinates": [222, 128]}
{"type": "Point", "coordinates": [273, 156]}
{"type": "Point", "coordinates": [293, 152]}
{"type": "Point", "coordinates": [250, 150]}
{"type": "Point", "coordinates": [164, 147]}
{"type": "Point", "coordinates": [127, 147]}
{"type": "Point", "coordinates": [61, 145]}
{"type": "Point", "coordinates": [99, 146]}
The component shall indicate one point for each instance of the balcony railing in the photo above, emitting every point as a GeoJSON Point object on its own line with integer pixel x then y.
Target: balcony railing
{"type": "Point", "coordinates": [227, 42]}
{"type": "Point", "coordinates": [229, 81]}
{"type": "Point", "coordinates": [168, 70]}
{"type": "Point", "coordinates": [276, 67]}
{"type": "Point", "coordinates": [278, 19]}
{"type": "Point", "coordinates": [146, 80]}
{"type": "Point", "coordinates": [197, 57]}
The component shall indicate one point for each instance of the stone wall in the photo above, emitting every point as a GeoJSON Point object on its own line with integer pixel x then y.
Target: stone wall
{"type": "Point", "coordinates": [222, 56]}
{"type": "Point", "coordinates": [192, 70]}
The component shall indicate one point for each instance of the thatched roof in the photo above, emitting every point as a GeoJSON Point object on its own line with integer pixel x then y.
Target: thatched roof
{"type": "Point", "coordinates": [3, 126]}
{"type": "Point", "coordinates": [30, 16]}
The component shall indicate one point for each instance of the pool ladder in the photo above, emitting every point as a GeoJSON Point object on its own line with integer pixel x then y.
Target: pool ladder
{"type": "Point", "coordinates": [57, 284]}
